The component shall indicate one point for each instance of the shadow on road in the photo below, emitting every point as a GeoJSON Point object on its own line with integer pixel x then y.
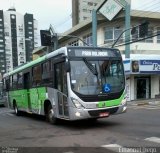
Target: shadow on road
{"type": "Point", "coordinates": [79, 124]}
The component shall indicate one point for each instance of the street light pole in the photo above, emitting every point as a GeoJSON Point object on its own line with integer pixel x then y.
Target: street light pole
{"type": "Point", "coordinates": [127, 26]}
{"type": "Point", "coordinates": [94, 27]}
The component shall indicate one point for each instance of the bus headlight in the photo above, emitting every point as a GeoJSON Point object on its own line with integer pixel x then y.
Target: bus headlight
{"type": "Point", "coordinates": [124, 101]}
{"type": "Point", "coordinates": [77, 104]}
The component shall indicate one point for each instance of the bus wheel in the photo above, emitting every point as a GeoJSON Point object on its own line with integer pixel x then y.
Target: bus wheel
{"type": "Point", "coordinates": [51, 116]}
{"type": "Point", "coordinates": [17, 112]}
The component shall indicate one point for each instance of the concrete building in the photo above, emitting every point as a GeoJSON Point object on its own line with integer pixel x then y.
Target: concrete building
{"type": "Point", "coordinates": [18, 38]}
{"type": "Point", "coordinates": [145, 52]}
{"type": "Point", "coordinates": [82, 10]}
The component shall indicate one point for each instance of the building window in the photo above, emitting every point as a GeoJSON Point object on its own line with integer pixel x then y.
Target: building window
{"type": "Point", "coordinates": [135, 35]}
{"type": "Point", "coordinates": [85, 18]}
{"type": "Point", "coordinates": [6, 33]}
{"type": "Point", "coordinates": [158, 32]}
{"type": "Point", "coordinates": [150, 33]}
{"type": "Point", "coordinates": [88, 40]}
{"type": "Point", "coordinates": [111, 34]}
{"type": "Point", "coordinates": [74, 43]}
{"type": "Point", "coordinates": [117, 33]}
{"type": "Point", "coordinates": [84, 10]}
{"type": "Point", "coordinates": [90, 3]}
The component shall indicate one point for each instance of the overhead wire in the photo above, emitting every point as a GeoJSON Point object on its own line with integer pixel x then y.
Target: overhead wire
{"type": "Point", "coordinates": [148, 13]}
{"type": "Point", "coordinates": [138, 13]}
{"type": "Point", "coordinates": [142, 14]}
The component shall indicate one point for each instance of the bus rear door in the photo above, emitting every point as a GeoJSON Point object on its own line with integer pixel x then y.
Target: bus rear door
{"type": "Point", "coordinates": [26, 78]}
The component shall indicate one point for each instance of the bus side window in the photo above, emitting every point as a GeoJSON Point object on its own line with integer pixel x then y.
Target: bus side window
{"type": "Point", "coordinates": [14, 81]}
{"type": "Point", "coordinates": [20, 81]}
{"type": "Point", "coordinates": [10, 82]}
{"type": "Point", "coordinates": [46, 74]}
{"type": "Point", "coordinates": [7, 84]}
{"type": "Point", "coordinates": [37, 76]}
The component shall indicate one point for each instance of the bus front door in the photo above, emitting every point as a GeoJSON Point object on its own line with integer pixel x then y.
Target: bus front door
{"type": "Point", "coordinates": [61, 85]}
{"type": "Point", "coordinates": [26, 87]}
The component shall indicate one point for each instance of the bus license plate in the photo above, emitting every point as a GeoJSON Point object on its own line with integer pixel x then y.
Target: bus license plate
{"type": "Point", "coordinates": [105, 114]}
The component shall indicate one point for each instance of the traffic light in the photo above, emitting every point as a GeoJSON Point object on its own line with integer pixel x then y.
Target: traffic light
{"type": "Point", "coordinates": [45, 37]}
{"type": "Point", "coordinates": [143, 29]}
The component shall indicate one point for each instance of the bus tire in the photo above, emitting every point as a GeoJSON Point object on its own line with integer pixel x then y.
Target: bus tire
{"type": "Point", "coordinates": [17, 112]}
{"type": "Point", "coordinates": [51, 116]}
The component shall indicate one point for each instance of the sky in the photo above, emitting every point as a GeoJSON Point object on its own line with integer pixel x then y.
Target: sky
{"type": "Point", "coordinates": [58, 12]}
{"type": "Point", "coordinates": [55, 12]}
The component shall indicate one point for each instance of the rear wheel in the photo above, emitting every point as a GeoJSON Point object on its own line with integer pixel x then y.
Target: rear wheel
{"type": "Point", "coordinates": [51, 115]}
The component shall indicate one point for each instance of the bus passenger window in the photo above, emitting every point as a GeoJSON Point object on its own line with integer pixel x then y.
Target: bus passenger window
{"type": "Point", "coordinates": [37, 75]}
{"type": "Point", "coordinates": [15, 81]}
{"type": "Point", "coordinates": [46, 74]}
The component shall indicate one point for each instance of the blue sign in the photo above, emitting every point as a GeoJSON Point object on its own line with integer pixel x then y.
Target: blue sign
{"type": "Point", "coordinates": [106, 88]}
{"type": "Point", "coordinates": [143, 67]}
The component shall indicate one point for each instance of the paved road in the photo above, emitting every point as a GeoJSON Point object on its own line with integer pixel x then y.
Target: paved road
{"type": "Point", "coordinates": [139, 127]}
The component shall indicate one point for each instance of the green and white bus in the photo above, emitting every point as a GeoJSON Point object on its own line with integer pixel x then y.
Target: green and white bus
{"type": "Point", "coordinates": [71, 83]}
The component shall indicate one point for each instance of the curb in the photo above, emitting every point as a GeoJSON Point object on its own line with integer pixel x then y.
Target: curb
{"type": "Point", "coordinates": [143, 103]}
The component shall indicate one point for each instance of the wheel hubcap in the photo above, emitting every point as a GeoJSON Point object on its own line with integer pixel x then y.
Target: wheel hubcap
{"type": "Point", "coordinates": [16, 109]}
{"type": "Point", "coordinates": [51, 114]}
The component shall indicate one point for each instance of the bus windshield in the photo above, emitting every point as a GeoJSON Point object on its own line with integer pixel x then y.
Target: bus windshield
{"type": "Point", "coordinates": [97, 77]}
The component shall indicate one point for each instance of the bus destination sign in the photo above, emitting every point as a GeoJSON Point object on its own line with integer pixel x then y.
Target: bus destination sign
{"type": "Point", "coordinates": [94, 53]}
{"type": "Point", "coordinates": [87, 53]}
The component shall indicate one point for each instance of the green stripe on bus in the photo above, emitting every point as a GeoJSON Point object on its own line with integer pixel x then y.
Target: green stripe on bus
{"type": "Point", "coordinates": [110, 103]}
{"type": "Point", "coordinates": [36, 96]}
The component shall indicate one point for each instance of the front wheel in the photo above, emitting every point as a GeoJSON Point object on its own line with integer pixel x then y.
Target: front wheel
{"type": "Point", "coordinates": [17, 112]}
{"type": "Point", "coordinates": [51, 115]}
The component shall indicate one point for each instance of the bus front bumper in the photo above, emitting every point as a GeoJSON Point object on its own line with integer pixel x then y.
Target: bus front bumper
{"type": "Point", "coordinates": [79, 114]}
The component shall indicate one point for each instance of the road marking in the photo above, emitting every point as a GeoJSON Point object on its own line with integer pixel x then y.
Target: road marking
{"type": "Point", "coordinates": [153, 139]}
{"type": "Point", "coordinates": [113, 147]}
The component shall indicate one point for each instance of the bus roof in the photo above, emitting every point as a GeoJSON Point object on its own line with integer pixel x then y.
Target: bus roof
{"type": "Point", "coordinates": [59, 51]}
{"type": "Point", "coordinates": [40, 59]}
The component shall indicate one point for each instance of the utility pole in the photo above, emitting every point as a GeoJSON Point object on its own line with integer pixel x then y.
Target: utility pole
{"type": "Point", "coordinates": [127, 26]}
{"type": "Point", "coordinates": [94, 27]}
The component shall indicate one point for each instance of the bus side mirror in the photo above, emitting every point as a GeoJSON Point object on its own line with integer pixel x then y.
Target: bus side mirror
{"type": "Point", "coordinates": [67, 67]}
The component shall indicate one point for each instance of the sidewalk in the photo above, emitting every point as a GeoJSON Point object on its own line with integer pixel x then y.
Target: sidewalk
{"type": "Point", "coordinates": [144, 102]}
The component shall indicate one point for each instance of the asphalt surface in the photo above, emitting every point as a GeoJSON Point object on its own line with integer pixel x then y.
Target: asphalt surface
{"type": "Point", "coordinates": [31, 133]}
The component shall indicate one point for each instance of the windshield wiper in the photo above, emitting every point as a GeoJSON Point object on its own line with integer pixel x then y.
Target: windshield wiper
{"type": "Point", "coordinates": [90, 66]}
